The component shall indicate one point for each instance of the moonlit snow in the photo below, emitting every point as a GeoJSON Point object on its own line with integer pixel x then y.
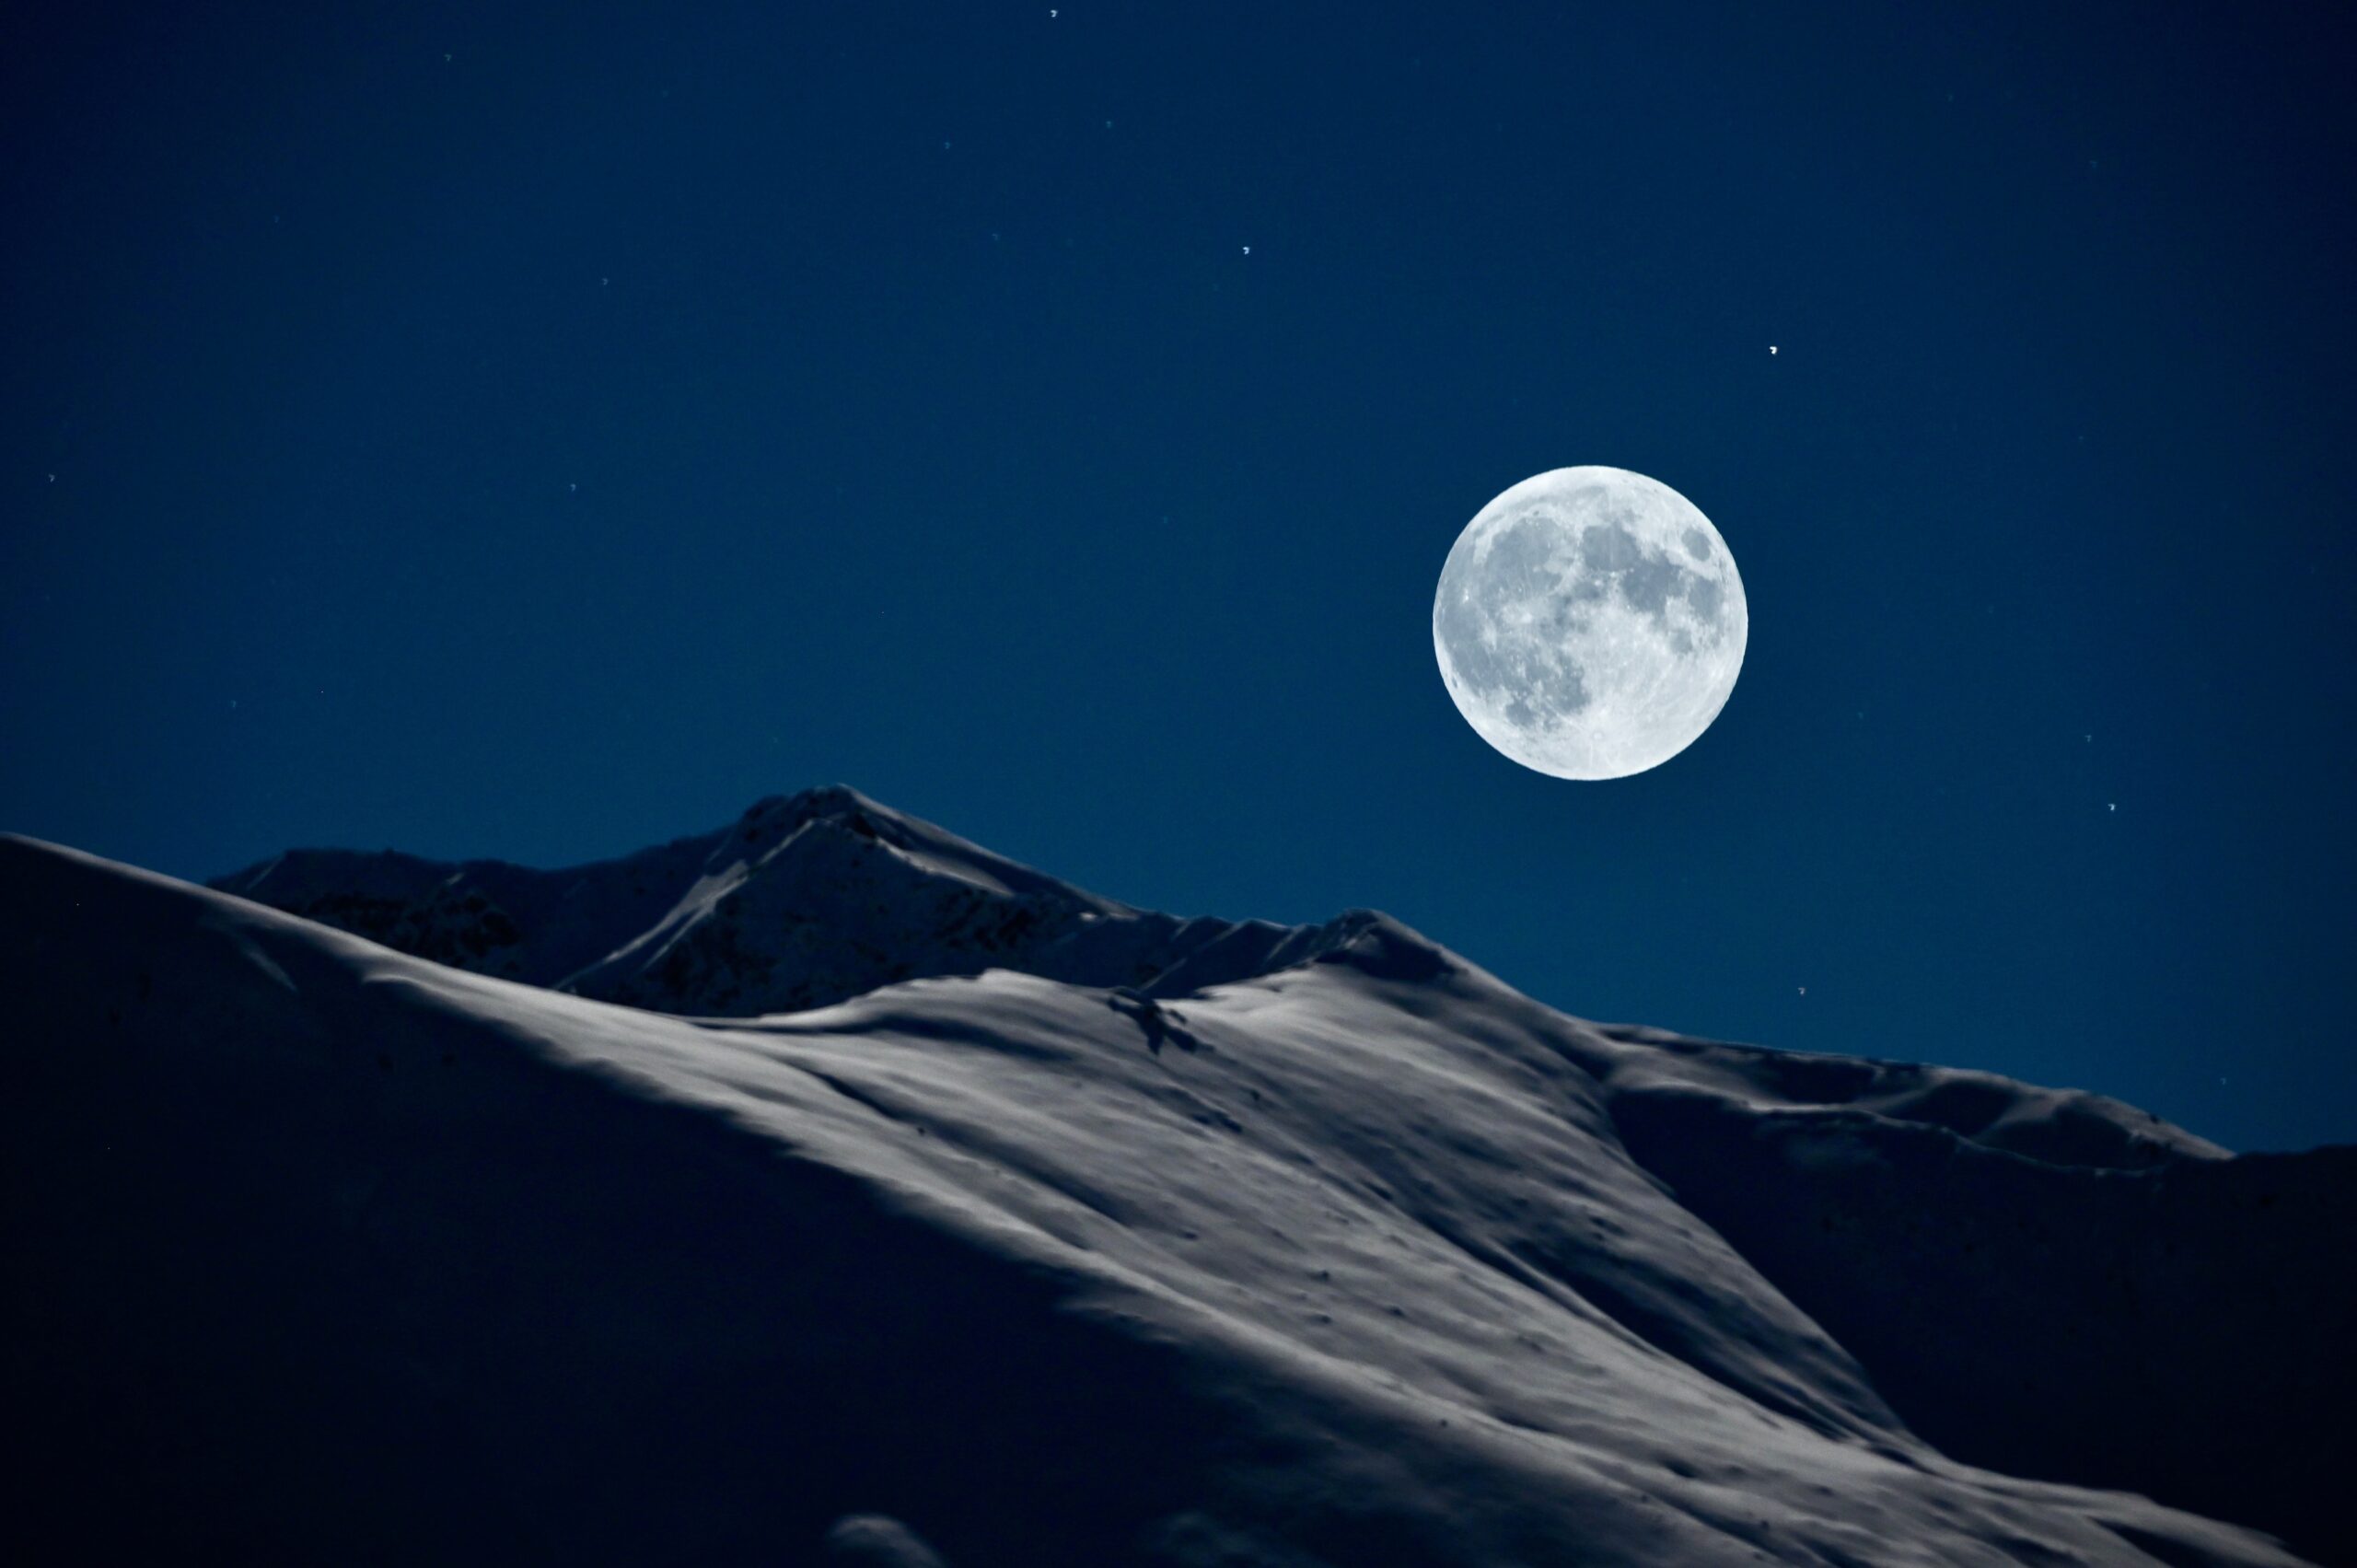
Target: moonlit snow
{"type": "Point", "coordinates": [1590, 622]}
{"type": "Point", "coordinates": [945, 1214]}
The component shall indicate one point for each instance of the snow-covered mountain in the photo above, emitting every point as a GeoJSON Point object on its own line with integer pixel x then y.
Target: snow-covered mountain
{"type": "Point", "coordinates": [806, 900]}
{"type": "Point", "coordinates": [828, 1188]}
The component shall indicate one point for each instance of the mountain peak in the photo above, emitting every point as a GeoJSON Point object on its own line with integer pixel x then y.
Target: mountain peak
{"type": "Point", "coordinates": [806, 900]}
{"type": "Point", "coordinates": [835, 802]}
{"type": "Point", "coordinates": [822, 800]}
{"type": "Point", "coordinates": [1378, 945]}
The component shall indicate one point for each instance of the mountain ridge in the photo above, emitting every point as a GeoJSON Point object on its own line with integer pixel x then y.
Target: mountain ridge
{"type": "Point", "coordinates": [692, 957]}
{"type": "Point", "coordinates": [1415, 1269]}
{"type": "Point", "coordinates": [667, 925]}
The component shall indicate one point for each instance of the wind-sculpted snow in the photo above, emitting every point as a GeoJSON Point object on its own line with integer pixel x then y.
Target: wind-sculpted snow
{"type": "Point", "coordinates": [324, 1252]}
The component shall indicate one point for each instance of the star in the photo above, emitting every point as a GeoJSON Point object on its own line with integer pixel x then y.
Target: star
{"type": "Point", "coordinates": [1771, 348]}
{"type": "Point", "coordinates": [1248, 249]}
{"type": "Point", "coordinates": [2113, 807]}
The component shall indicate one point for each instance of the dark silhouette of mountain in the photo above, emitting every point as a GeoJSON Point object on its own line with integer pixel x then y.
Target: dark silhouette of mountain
{"type": "Point", "coordinates": [807, 899]}
{"type": "Point", "coordinates": [827, 1188]}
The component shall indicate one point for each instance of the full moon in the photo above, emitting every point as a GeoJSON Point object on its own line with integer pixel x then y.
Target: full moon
{"type": "Point", "coordinates": [1590, 623]}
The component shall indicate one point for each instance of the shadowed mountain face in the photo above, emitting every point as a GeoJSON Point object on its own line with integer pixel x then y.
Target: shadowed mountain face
{"type": "Point", "coordinates": [830, 1189]}
{"type": "Point", "coordinates": [805, 901]}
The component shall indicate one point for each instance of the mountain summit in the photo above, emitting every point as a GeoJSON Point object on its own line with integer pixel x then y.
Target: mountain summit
{"type": "Point", "coordinates": [827, 1187]}
{"type": "Point", "coordinates": [804, 901]}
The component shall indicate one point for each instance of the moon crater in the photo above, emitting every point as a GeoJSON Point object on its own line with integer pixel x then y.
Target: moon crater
{"type": "Point", "coordinates": [1590, 623]}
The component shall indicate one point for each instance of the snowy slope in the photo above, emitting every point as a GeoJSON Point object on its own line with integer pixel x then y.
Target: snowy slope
{"type": "Point", "coordinates": [1347, 1255]}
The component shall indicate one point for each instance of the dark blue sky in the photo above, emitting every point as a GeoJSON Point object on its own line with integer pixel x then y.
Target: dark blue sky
{"type": "Point", "coordinates": [543, 435]}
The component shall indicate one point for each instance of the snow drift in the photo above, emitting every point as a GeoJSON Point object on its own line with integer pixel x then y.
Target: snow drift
{"type": "Point", "coordinates": [827, 1188]}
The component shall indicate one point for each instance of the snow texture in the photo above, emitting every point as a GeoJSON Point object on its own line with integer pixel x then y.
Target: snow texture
{"type": "Point", "coordinates": [829, 1189]}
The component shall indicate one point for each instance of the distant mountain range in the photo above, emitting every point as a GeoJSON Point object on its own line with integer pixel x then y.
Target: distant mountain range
{"type": "Point", "coordinates": [805, 901]}
{"type": "Point", "coordinates": [828, 1189]}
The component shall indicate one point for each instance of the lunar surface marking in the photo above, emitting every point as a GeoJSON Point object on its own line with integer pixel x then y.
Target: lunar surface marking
{"type": "Point", "coordinates": [1590, 622]}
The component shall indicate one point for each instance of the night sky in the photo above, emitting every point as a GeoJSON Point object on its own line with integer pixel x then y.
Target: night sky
{"type": "Point", "coordinates": [544, 435]}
